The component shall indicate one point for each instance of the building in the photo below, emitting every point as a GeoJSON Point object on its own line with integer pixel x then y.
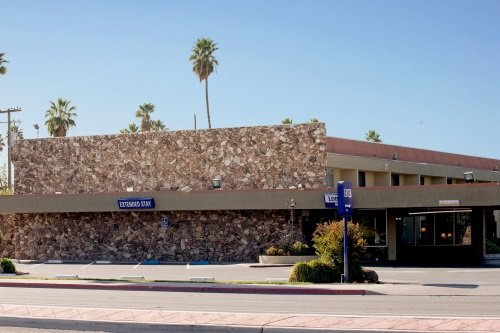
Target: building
{"type": "Point", "coordinates": [226, 194]}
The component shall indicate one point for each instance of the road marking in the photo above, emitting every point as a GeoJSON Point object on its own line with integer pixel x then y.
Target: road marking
{"type": "Point", "coordinates": [137, 265]}
{"type": "Point", "coordinates": [37, 265]}
{"type": "Point", "coordinates": [408, 272]}
{"type": "Point", "coordinates": [132, 277]}
{"type": "Point", "coordinates": [202, 279]}
{"type": "Point", "coordinates": [83, 267]}
{"type": "Point", "coordinates": [475, 270]}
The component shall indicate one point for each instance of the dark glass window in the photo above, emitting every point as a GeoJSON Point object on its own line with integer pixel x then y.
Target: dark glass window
{"type": "Point", "coordinates": [361, 179]}
{"type": "Point", "coordinates": [394, 179]}
{"type": "Point", "coordinates": [373, 225]}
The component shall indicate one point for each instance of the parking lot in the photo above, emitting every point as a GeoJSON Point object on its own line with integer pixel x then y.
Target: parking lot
{"type": "Point", "coordinates": [248, 272]}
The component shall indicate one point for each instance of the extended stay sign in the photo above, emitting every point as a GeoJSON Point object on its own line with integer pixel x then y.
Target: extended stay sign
{"type": "Point", "coordinates": [136, 203]}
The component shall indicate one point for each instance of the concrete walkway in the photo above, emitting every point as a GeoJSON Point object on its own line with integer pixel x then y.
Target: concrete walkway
{"type": "Point", "coordinates": [127, 320]}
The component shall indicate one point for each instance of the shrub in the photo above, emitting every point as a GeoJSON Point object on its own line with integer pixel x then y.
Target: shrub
{"type": "Point", "coordinates": [328, 241]}
{"type": "Point", "coordinates": [370, 276]}
{"type": "Point", "coordinates": [7, 266]}
{"type": "Point", "coordinates": [272, 251]}
{"type": "Point", "coordinates": [296, 249]}
{"type": "Point", "coordinates": [314, 271]}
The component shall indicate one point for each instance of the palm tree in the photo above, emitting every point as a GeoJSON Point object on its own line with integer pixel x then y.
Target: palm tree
{"type": "Point", "coordinates": [287, 121]}
{"type": "Point", "coordinates": [60, 117]}
{"type": "Point", "coordinates": [3, 69]}
{"type": "Point", "coordinates": [158, 126]}
{"type": "Point", "coordinates": [132, 128]}
{"type": "Point", "coordinates": [144, 112]}
{"type": "Point", "coordinates": [372, 136]}
{"type": "Point", "coordinates": [204, 63]}
{"type": "Point", "coordinates": [17, 131]}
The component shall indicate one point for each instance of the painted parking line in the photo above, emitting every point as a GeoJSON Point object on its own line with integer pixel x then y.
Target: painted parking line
{"type": "Point", "coordinates": [137, 265]}
{"type": "Point", "coordinates": [484, 270]}
{"type": "Point", "coordinates": [406, 272]}
{"type": "Point", "coordinates": [83, 267]}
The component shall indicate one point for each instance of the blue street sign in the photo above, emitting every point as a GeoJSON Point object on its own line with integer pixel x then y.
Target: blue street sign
{"type": "Point", "coordinates": [136, 203]}
{"type": "Point", "coordinates": [331, 200]}
{"type": "Point", "coordinates": [164, 223]}
{"type": "Point", "coordinates": [344, 191]}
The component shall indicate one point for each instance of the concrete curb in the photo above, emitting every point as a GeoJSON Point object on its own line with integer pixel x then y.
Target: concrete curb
{"type": "Point", "coordinates": [122, 327]}
{"type": "Point", "coordinates": [208, 288]}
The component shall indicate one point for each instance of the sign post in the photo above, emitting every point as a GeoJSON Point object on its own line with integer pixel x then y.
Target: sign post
{"type": "Point", "coordinates": [344, 192]}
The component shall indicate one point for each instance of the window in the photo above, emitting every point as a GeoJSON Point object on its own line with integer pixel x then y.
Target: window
{"type": "Point", "coordinates": [373, 224]}
{"type": "Point", "coordinates": [422, 180]}
{"type": "Point", "coordinates": [361, 179]}
{"type": "Point", "coordinates": [394, 179]}
{"type": "Point", "coordinates": [330, 177]}
{"type": "Point", "coordinates": [437, 228]}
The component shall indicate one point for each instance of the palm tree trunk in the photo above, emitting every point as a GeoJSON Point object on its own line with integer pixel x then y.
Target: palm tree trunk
{"type": "Point", "coordinates": [206, 98]}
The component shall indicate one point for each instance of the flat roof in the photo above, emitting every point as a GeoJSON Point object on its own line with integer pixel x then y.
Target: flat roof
{"type": "Point", "coordinates": [385, 151]}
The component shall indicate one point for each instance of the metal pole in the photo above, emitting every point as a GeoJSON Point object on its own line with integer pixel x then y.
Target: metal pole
{"type": "Point", "coordinates": [346, 252]}
{"type": "Point", "coordinates": [9, 177]}
{"type": "Point", "coordinates": [9, 172]}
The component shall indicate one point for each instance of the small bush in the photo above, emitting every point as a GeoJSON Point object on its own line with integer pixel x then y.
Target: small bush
{"type": "Point", "coordinates": [314, 271]}
{"type": "Point", "coordinates": [299, 249]}
{"type": "Point", "coordinates": [272, 251]}
{"type": "Point", "coordinates": [370, 276]}
{"type": "Point", "coordinates": [296, 249]}
{"type": "Point", "coordinates": [7, 266]}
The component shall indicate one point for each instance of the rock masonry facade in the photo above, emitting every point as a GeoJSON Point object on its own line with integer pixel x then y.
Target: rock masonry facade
{"type": "Point", "coordinates": [136, 236]}
{"type": "Point", "coordinates": [260, 158]}
{"type": "Point", "coordinates": [271, 157]}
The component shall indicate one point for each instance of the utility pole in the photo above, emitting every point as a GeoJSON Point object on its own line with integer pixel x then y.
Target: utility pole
{"type": "Point", "coordinates": [9, 173]}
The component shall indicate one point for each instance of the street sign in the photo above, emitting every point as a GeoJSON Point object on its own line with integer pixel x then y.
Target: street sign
{"type": "Point", "coordinates": [344, 192]}
{"type": "Point", "coordinates": [164, 223]}
{"type": "Point", "coordinates": [331, 200]}
{"type": "Point", "coordinates": [136, 203]}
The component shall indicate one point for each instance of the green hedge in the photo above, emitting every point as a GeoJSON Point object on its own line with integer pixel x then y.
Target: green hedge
{"type": "Point", "coordinates": [314, 271]}
{"type": "Point", "coordinates": [7, 266]}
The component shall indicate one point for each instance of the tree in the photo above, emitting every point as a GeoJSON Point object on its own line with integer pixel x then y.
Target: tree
{"type": "Point", "coordinates": [144, 113]}
{"type": "Point", "coordinates": [3, 69]}
{"type": "Point", "coordinates": [132, 128]}
{"type": "Point", "coordinates": [372, 136]}
{"type": "Point", "coordinates": [17, 131]}
{"type": "Point", "coordinates": [328, 241]}
{"type": "Point", "coordinates": [314, 120]}
{"type": "Point", "coordinates": [158, 126]}
{"type": "Point", "coordinates": [204, 64]}
{"type": "Point", "coordinates": [60, 117]}
{"type": "Point", "coordinates": [287, 121]}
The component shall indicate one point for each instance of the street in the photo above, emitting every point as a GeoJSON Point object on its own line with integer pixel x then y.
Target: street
{"type": "Point", "coordinates": [376, 305]}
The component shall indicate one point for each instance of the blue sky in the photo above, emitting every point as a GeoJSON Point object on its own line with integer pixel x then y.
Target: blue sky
{"type": "Point", "coordinates": [423, 74]}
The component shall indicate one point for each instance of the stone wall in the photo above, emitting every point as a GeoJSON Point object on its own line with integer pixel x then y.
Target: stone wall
{"type": "Point", "coordinates": [137, 236]}
{"type": "Point", "coordinates": [244, 158]}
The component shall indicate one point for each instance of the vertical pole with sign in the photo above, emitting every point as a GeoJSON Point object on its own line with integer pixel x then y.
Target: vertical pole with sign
{"type": "Point", "coordinates": [344, 192]}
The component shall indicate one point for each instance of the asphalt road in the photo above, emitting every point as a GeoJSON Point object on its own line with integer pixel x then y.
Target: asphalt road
{"type": "Point", "coordinates": [378, 305]}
